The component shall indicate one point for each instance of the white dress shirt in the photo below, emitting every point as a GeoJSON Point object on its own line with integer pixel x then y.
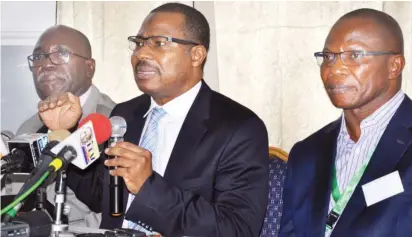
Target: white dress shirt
{"type": "Point", "coordinates": [168, 129]}
{"type": "Point", "coordinates": [350, 155]}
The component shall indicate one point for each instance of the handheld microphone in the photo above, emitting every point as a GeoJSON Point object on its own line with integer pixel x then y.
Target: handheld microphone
{"type": "Point", "coordinates": [119, 128]}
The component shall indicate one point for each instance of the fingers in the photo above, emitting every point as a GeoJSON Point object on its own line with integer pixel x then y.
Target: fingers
{"type": "Point", "coordinates": [120, 162]}
{"type": "Point", "coordinates": [132, 162]}
{"type": "Point", "coordinates": [131, 147]}
{"type": "Point", "coordinates": [127, 155]}
{"type": "Point", "coordinates": [57, 100]}
{"type": "Point", "coordinates": [119, 172]}
{"type": "Point", "coordinates": [120, 152]}
{"type": "Point", "coordinates": [73, 99]}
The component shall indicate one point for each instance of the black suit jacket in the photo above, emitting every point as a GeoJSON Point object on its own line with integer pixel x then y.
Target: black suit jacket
{"type": "Point", "coordinates": [308, 184]}
{"type": "Point", "coordinates": [216, 181]}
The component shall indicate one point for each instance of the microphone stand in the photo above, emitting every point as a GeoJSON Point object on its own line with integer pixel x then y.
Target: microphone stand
{"type": "Point", "coordinates": [41, 198]}
{"type": "Point", "coordinates": [59, 227]}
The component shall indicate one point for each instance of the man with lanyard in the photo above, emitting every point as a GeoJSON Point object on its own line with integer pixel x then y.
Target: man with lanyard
{"type": "Point", "coordinates": [352, 177]}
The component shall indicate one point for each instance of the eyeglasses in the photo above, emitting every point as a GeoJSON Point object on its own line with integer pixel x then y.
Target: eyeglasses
{"type": "Point", "coordinates": [348, 58]}
{"type": "Point", "coordinates": [56, 58]}
{"type": "Point", "coordinates": [155, 42]}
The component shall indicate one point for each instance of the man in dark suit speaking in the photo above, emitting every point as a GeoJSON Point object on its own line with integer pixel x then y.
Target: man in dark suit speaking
{"type": "Point", "coordinates": [194, 162]}
{"type": "Point", "coordinates": [353, 177]}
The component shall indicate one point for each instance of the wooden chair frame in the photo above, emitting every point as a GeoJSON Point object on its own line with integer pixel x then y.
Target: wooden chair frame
{"type": "Point", "coordinates": [275, 151]}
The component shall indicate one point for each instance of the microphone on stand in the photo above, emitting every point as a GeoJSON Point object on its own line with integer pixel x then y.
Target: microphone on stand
{"type": "Point", "coordinates": [119, 128]}
{"type": "Point", "coordinates": [33, 145]}
{"type": "Point", "coordinates": [94, 129]}
{"type": "Point", "coordinates": [12, 161]}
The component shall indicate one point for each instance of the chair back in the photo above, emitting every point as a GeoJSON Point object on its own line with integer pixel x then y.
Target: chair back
{"type": "Point", "coordinates": [277, 173]}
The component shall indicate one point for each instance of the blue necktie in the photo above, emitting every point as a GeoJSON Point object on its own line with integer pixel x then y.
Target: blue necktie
{"type": "Point", "coordinates": [149, 142]}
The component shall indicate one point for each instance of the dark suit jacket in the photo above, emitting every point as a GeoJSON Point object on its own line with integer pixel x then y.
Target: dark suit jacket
{"type": "Point", "coordinates": [215, 183]}
{"type": "Point", "coordinates": [309, 182]}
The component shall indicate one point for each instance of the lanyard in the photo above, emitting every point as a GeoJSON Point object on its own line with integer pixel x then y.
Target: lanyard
{"type": "Point", "coordinates": [341, 199]}
{"type": "Point", "coordinates": [335, 188]}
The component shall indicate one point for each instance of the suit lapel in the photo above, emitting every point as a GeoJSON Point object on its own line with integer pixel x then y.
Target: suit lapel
{"type": "Point", "coordinates": [391, 147]}
{"type": "Point", "coordinates": [323, 178]}
{"type": "Point", "coordinates": [193, 129]}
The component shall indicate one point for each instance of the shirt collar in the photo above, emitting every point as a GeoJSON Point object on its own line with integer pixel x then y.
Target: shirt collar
{"type": "Point", "coordinates": [380, 117]}
{"type": "Point", "coordinates": [179, 106]}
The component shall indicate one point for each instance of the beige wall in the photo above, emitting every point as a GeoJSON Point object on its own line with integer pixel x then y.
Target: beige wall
{"type": "Point", "coordinates": [265, 57]}
{"type": "Point", "coordinates": [261, 54]}
{"type": "Point", "coordinates": [107, 25]}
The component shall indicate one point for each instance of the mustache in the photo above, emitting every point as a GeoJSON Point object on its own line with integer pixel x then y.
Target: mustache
{"type": "Point", "coordinates": [141, 65]}
{"type": "Point", "coordinates": [44, 74]}
{"type": "Point", "coordinates": [335, 86]}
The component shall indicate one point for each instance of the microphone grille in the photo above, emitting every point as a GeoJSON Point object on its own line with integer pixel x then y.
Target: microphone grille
{"type": "Point", "coordinates": [119, 126]}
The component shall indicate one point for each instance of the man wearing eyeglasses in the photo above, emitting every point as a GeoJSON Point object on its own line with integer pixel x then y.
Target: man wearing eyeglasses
{"type": "Point", "coordinates": [63, 68]}
{"type": "Point", "coordinates": [194, 162]}
{"type": "Point", "coordinates": [353, 177]}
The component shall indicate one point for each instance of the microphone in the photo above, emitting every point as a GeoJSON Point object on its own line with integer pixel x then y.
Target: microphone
{"type": "Point", "coordinates": [63, 138]}
{"type": "Point", "coordinates": [94, 129]}
{"type": "Point", "coordinates": [58, 135]}
{"type": "Point", "coordinates": [91, 127]}
{"type": "Point", "coordinates": [119, 128]}
{"type": "Point", "coordinates": [32, 145]}
{"type": "Point", "coordinates": [42, 166]}
{"type": "Point", "coordinates": [12, 161]}
{"type": "Point", "coordinates": [101, 124]}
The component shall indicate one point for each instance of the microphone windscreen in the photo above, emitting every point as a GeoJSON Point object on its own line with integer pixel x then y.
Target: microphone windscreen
{"type": "Point", "coordinates": [58, 135]}
{"type": "Point", "coordinates": [101, 126]}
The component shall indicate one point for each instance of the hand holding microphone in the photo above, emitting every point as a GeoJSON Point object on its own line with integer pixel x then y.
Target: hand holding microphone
{"type": "Point", "coordinates": [119, 127]}
{"type": "Point", "coordinates": [133, 163]}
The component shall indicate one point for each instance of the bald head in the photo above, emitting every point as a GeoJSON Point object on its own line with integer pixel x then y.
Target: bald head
{"type": "Point", "coordinates": [387, 26]}
{"type": "Point", "coordinates": [72, 35]}
{"type": "Point", "coordinates": [367, 47]}
{"type": "Point", "coordinates": [67, 64]}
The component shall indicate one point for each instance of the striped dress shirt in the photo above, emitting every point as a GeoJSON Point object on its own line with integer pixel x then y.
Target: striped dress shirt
{"type": "Point", "coordinates": [349, 154]}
